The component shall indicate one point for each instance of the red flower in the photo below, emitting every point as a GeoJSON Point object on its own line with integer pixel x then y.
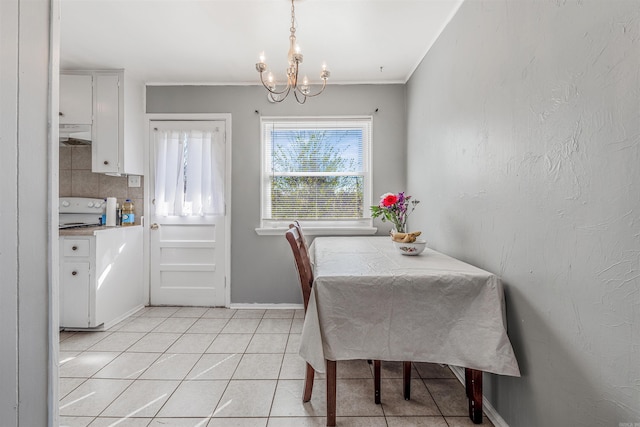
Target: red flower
{"type": "Point", "coordinates": [389, 199]}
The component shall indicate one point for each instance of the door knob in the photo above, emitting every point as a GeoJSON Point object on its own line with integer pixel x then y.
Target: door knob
{"type": "Point", "coordinates": [154, 226]}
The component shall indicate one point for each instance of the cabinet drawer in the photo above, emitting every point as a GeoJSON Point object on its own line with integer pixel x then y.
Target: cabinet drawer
{"type": "Point", "coordinates": [75, 247]}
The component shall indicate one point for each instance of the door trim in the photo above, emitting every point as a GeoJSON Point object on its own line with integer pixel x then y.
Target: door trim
{"type": "Point", "coordinates": [226, 117]}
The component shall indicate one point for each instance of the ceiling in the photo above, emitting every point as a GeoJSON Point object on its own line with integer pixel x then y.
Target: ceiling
{"type": "Point", "coordinates": [219, 41]}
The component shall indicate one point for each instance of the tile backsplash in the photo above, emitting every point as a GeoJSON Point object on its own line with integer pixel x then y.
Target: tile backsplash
{"type": "Point", "coordinates": [77, 180]}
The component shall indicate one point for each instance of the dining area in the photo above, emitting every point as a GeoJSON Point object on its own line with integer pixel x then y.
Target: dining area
{"type": "Point", "coordinates": [366, 300]}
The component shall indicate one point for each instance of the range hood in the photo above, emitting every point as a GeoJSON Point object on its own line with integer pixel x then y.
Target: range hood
{"type": "Point", "coordinates": [71, 135]}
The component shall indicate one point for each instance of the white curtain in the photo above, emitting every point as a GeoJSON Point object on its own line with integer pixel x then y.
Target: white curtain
{"type": "Point", "coordinates": [189, 173]}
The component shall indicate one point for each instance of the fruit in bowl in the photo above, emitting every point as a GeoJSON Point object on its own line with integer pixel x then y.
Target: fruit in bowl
{"type": "Point", "coordinates": [410, 248]}
{"type": "Point", "coordinates": [405, 237]}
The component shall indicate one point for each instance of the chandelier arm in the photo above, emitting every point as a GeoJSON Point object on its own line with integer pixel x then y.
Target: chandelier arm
{"type": "Point", "coordinates": [311, 95]}
{"type": "Point", "coordinates": [273, 98]}
{"type": "Point", "coordinates": [275, 92]}
{"type": "Point", "coordinates": [304, 97]}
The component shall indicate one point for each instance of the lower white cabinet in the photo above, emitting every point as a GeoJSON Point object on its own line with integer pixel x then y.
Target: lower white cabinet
{"type": "Point", "coordinates": [100, 277]}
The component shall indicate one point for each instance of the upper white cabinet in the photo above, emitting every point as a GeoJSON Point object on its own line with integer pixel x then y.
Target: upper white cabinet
{"type": "Point", "coordinates": [116, 149]}
{"type": "Point", "coordinates": [107, 148]}
{"type": "Point", "coordinates": [76, 99]}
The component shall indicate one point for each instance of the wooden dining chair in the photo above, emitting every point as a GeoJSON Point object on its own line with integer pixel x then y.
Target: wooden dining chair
{"type": "Point", "coordinates": [406, 365]}
{"type": "Point", "coordinates": [305, 275]}
{"type": "Point", "coordinates": [304, 254]}
{"type": "Point", "coordinates": [300, 250]}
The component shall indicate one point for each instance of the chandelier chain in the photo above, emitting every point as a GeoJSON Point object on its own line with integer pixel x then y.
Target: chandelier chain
{"type": "Point", "coordinates": [293, 17]}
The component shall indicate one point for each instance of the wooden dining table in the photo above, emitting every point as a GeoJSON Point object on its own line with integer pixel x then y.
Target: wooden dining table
{"type": "Point", "coordinates": [369, 301]}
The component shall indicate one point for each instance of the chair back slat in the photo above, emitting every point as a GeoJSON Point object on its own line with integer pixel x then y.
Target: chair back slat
{"type": "Point", "coordinates": [302, 261]}
{"type": "Point", "coordinates": [304, 248]}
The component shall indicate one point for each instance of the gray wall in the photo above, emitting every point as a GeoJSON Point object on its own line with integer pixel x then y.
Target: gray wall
{"type": "Point", "coordinates": [28, 265]}
{"type": "Point", "coordinates": [262, 269]}
{"type": "Point", "coordinates": [524, 135]}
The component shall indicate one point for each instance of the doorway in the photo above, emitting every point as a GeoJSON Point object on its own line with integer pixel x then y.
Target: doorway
{"type": "Point", "coordinates": [188, 210]}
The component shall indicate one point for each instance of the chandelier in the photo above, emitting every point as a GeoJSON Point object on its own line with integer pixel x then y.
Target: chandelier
{"type": "Point", "coordinates": [301, 92]}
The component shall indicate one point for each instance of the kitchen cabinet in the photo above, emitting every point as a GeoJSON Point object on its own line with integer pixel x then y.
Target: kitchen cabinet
{"type": "Point", "coordinates": [116, 149]}
{"type": "Point", "coordinates": [100, 277]}
{"type": "Point", "coordinates": [76, 99]}
{"type": "Point", "coordinates": [107, 149]}
{"type": "Point", "coordinates": [76, 274]}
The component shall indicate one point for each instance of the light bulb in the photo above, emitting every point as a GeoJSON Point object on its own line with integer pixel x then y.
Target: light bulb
{"type": "Point", "coordinates": [305, 81]}
{"type": "Point", "coordinates": [262, 58]}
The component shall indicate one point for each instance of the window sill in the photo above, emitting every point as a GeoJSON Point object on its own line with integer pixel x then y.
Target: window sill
{"type": "Point", "coordinates": [320, 231]}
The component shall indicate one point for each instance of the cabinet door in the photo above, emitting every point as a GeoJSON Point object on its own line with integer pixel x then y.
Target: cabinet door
{"type": "Point", "coordinates": [74, 294]}
{"type": "Point", "coordinates": [76, 99]}
{"type": "Point", "coordinates": [106, 145]}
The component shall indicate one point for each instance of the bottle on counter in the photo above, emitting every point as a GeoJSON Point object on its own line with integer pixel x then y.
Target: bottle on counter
{"type": "Point", "coordinates": [128, 216]}
{"type": "Point", "coordinates": [104, 213]}
{"type": "Point", "coordinates": [118, 214]}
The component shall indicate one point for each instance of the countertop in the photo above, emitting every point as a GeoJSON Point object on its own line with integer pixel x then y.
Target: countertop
{"type": "Point", "coordinates": [90, 231]}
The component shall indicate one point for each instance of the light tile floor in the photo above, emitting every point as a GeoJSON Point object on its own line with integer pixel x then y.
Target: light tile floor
{"type": "Point", "coordinates": [215, 367]}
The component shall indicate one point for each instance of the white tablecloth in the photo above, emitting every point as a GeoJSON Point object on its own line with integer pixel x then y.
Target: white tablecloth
{"type": "Point", "coordinates": [368, 301]}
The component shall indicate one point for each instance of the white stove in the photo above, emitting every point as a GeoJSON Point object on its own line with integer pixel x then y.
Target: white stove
{"type": "Point", "coordinates": [77, 212]}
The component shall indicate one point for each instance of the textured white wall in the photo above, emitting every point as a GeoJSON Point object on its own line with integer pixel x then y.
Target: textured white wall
{"type": "Point", "coordinates": [524, 142]}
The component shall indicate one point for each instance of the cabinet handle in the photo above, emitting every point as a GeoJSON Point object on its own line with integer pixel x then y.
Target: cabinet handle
{"type": "Point", "coordinates": [74, 273]}
{"type": "Point", "coordinates": [154, 226]}
{"type": "Point", "coordinates": [106, 162]}
{"type": "Point", "coordinates": [74, 248]}
{"type": "Point", "coordinates": [60, 114]}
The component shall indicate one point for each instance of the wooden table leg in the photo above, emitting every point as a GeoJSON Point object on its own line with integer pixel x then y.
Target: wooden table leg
{"type": "Point", "coordinates": [331, 393]}
{"type": "Point", "coordinates": [376, 381]}
{"type": "Point", "coordinates": [406, 379]}
{"type": "Point", "coordinates": [473, 385]}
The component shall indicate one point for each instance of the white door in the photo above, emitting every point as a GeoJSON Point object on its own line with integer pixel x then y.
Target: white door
{"type": "Point", "coordinates": [187, 212]}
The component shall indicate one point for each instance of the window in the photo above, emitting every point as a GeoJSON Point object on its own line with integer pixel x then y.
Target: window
{"type": "Point", "coordinates": [316, 170]}
{"type": "Point", "coordinates": [189, 169]}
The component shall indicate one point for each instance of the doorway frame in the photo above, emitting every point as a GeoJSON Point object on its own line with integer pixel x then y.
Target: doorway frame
{"type": "Point", "coordinates": [149, 117]}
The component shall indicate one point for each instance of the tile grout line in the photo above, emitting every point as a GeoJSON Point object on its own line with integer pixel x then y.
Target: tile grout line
{"type": "Point", "coordinates": [234, 370]}
{"type": "Point", "coordinates": [202, 353]}
{"type": "Point", "coordinates": [187, 374]}
{"type": "Point", "coordinates": [275, 390]}
{"type": "Point", "coordinates": [86, 350]}
{"type": "Point", "coordinates": [141, 373]}
{"type": "Point", "coordinates": [123, 352]}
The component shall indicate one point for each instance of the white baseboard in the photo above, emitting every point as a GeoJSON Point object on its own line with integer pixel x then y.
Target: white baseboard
{"type": "Point", "coordinates": [487, 408]}
{"type": "Point", "coordinates": [131, 312]}
{"type": "Point", "coordinates": [241, 306]}
{"type": "Point", "coordinates": [109, 324]}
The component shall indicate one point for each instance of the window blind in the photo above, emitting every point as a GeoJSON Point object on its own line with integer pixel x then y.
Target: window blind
{"type": "Point", "coordinates": [315, 169]}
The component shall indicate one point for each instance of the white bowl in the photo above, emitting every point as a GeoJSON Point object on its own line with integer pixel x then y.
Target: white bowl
{"type": "Point", "coordinates": [414, 248]}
